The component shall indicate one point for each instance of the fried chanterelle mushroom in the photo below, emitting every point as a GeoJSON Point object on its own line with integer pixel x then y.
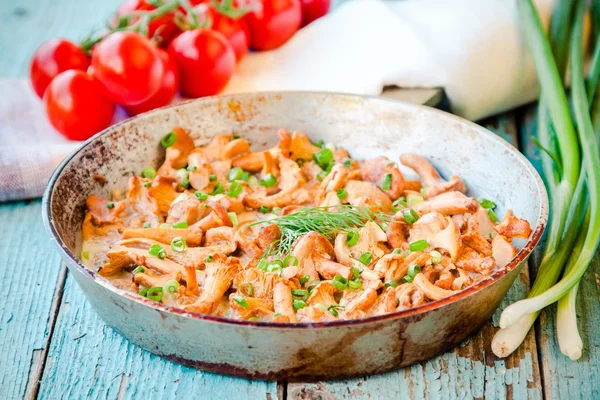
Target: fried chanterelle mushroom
{"type": "Point", "coordinates": [299, 232]}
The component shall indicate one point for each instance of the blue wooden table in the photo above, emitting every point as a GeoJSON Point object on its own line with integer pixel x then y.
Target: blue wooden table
{"type": "Point", "coordinates": [53, 345]}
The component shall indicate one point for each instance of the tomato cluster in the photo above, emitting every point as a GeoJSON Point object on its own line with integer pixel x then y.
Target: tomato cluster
{"type": "Point", "coordinates": [155, 49]}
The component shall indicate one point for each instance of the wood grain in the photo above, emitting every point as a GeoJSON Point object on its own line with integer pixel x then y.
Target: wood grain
{"type": "Point", "coordinates": [29, 269]}
{"type": "Point", "coordinates": [563, 378]}
{"type": "Point", "coordinates": [469, 371]}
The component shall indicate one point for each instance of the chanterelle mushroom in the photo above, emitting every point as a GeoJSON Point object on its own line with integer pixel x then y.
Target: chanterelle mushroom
{"type": "Point", "coordinates": [370, 238]}
{"type": "Point", "coordinates": [219, 277]}
{"type": "Point", "coordinates": [439, 231]}
{"type": "Point", "coordinates": [433, 182]}
{"type": "Point", "coordinates": [449, 203]}
{"type": "Point", "coordinates": [385, 174]}
{"type": "Point", "coordinates": [361, 193]}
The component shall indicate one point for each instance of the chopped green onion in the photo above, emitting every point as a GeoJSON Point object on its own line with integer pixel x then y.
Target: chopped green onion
{"type": "Point", "coordinates": [356, 272]}
{"type": "Point", "coordinates": [418, 245]}
{"type": "Point", "coordinates": [302, 293]}
{"type": "Point", "coordinates": [400, 202]}
{"type": "Point", "coordinates": [110, 206]}
{"type": "Point", "coordinates": [147, 184]}
{"type": "Point", "coordinates": [275, 315]}
{"type": "Point", "coordinates": [201, 196]}
{"type": "Point", "coordinates": [235, 173]}
{"type": "Point", "coordinates": [347, 162]}
{"type": "Point", "coordinates": [422, 191]}
{"type": "Point", "coordinates": [138, 270]}
{"type": "Point", "coordinates": [321, 307]}
{"type": "Point", "coordinates": [352, 238]}
{"type": "Point", "coordinates": [436, 257]}
{"type": "Point", "coordinates": [276, 210]}
{"type": "Point", "coordinates": [85, 255]}
{"type": "Point", "coordinates": [397, 251]}
{"type": "Point", "coordinates": [235, 137]}
{"type": "Point", "coordinates": [218, 189]}
{"type": "Point", "coordinates": [158, 251]}
{"type": "Point", "coordinates": [241, 301]}
{"type": "Point", "coordinates": [312, 285]}
{"type": "Point", "coordinates": [212, 177]}
{"type": "Point", "coordinates": [410, 216]}
{"type": "Point", "coordinates": [262, 264]}
{"type": "Point", "coordinates": [171, 286]}
{"type": "Point", "coordinates": [148, 173]}
{"type": "Point", "coordinates": [355, 284]}
{"type": "Point", "coordinates": [155, 293]}
{"type": "Point", "coordinates": [164, 226]}
{"type": "Point", "coordinates": [304, 279]}
{"type": "Point", "coordinates": [185, 183]}
{"type": "Point", "coordinates": [191, 168]}
{"type": "Point", "coordinates": [298, 304]}
{"type": "Point", "coordinates": [146, 225]}
{"type": "Point", "coordinates": [407, 279]}
{"type": "Point", "coordinates": [300, 161]}
{"type": "Point", "coordinates": [340, 282]}
{"type": "Point", "coordinates": [333, 309]}
{"type": "Point", "coordinates": [183, 175]}
{"type": "Point", "coordinates": [342, 194]}
{"type": "Point", "coordinates": [180, 225]}
{"type": "Point", "coordinates": [168, 140]}
{"type": "Point", "coordinates": [209, 258]}
{"type": "Point", "coordinates": [233, 218]}
{"type": "Point", "coordinates": [386, 182]}
{"type": "Point", "coordinates": [143, 291]}
{"type": "Point", "coordinates": [390, 283]}
{"type": "Point", "coordinates": [250, 289]}
{"type": "Point", "coordinates": [319, 143]}
{"type": "Point", "coordinates": [413, 270]}
{"type": "Point", "coordinates": [253, 319]}
{"type": "Point", "coordinates": [323, 158]}
{"type": "Point", "coordinates": [492, 215]}
{"type": "Point", "coordinates": [366, 258]}
{"type": "Point", "coordinates": [321, 175]}
{"type": "Point", "coordinates": [294, 260]}
{"type": "Point", "coordinates": [246, 176]}
{"type": "Point", "coordinates": [178, 244]}
{"type": "Point", "coordinates": [487, 204]}
{"type": "Point", "coordinates": [234, 190]}
{"type": "Point", "coordinates": [269, 180]}
{"type": "Point", "coordinates": [253, 182]}
{"type": "Point", "coordinates": [413, 199]}
{"type": "Point", "coordinates": [264, 209]}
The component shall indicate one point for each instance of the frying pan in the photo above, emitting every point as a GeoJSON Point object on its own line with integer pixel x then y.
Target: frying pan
{"type": "Point", "coordinates": [365, 126]}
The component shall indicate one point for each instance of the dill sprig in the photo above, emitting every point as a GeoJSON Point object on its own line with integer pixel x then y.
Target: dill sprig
{"type": "Point", "coordinates": [328, 221]}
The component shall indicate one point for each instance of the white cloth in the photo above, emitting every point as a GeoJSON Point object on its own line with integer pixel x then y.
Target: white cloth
{"type": "Point", "coordinates": [471, 48]}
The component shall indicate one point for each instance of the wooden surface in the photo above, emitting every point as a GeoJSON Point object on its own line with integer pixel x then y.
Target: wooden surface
{"type": "Point", "coordinates": [55, 346]}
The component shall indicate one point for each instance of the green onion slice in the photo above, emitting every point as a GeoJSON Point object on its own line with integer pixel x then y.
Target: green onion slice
{"type": "Point", "coordinates": [148, 172]}
{"type": "Point", "coordinates": [390, 283]}
{"type": "Point", "coordinates": [233, 218]}
{"type": "Point", "coordinates": [235, 173]}
{"type": "Point", "coordinates": [342, 194]}
{"type": "Point", "coordinates": [492, 215]}
{"type": "Point", "coordinates": [321, 175]}
{"type": "Point", "coordinates": [294, 260]}
{"type": "Point", "coordinates": [340, 282]}
{"type": "Point", "coordinates": [158, 251]}
{"type": "Point", "coordinates": [400, 202]}
{"type": "Point", "coordinates": [413, 199]}
{"type": "Point", "coordinates": [304, 279]}
{"type": "Point", "coordinates": [269, 180]}
{"type": "Point", "coordinates": [366, 258]}
{"type": "Point", "coordinates": [264, 209]}
{"type": "Point", "coordinates": [487, 204]}
{"type": "Point", "coordinates": [147, 225]}
{"type": "Point", "coordinates": [301, 293]}
{"type": "Point", "coordinates": [168, 140]}
{"type": "Point", "coordinates": [180, 225]}
{"type": "Point", "coordinates": [355, 284]}
{"type": "Point", "coordinates": [323, 158]}
{"type": "Point", "coordinates": [397, 251]}
{"type": "Point", "coordinates": [155, 293]}
{"type": "Point", "coordinates": [212, 177]}
{"type": "Point", "coordinates": [352, 238]}
{"type": "Point", "coordinates": [418, 245]}
{"type": "Point", "coordinates": [178, 244]}
{"type": "Point", "coordinates": [218, 189]}
{"type": "Point", "coordinates": [241, 301]}
{"type": "Point", "coordinates": [201, 196]}
{"type": "Point", "coordinates": [191, 168]}
{"type": "Point", "coordinates": [171, 286]}
{"type": "Point", "coordinates": [407, 279]}
{"type": "Point", "coordinates": [143, 291]}
{"type": "Point", "coordinates": [138, 270]}
{"type": "Point", "coordinates": [235, 189]}
{"type": "Point", "coordinates": [347, 162]}
{"type": "Point", "coordinates": [164, 226]}
{"type": "Point", "coordinates": [298, 304]}
{"type": "Point", "coordinates": [410, 216]}
{"type": "Point", "coordinates": [356, 272]}
{"type": "Point", "coordinates": [85, 255]}
{"type": "Point", "coordinates": [413, 270]}
{"type": "Point", "coordinates": [386, 182]}
{"type": "Point", "coordinates": [209, 258]}
{"type": "Point", "coordinates": [110, 206]}
{"type": "Point", "coordinates": [436, 257]}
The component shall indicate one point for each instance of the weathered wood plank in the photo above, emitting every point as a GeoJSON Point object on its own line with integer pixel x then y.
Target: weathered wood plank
{"type": "Point", "coordinates": [29, 270]}
{"type": "Point", "coordinates": [469, 371]}
{"type": "Point", "coordinates": [87, 359]}
{"type": "Point", "coordinates": [563, 378]}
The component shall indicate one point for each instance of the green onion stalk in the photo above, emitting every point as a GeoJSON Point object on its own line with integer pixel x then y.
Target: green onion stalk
{"type": "Point", "coordinates": [561, 162]}
{"type": "Point", "coordinates": [591, 163]}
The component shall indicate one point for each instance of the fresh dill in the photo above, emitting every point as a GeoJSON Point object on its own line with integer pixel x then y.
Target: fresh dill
{"type": "Point", "coordinates": [328, 221]}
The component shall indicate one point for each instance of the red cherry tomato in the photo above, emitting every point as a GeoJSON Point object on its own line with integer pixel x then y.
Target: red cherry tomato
{"type": "Point", "coordinates": [272, 24]}
{"type": "Point", "coordinates": [235, 30]}
{"type": "Point", "coordinates": [205, 61]}
{"type": "Point", "coordinates": [128, 66]}
{"type": "Point", "coordinates": [52, 58]}
{"type": "Point", "coordinates": [167, 91]}
{"type": "Point", "coordinates": [313, 9]}
{"type": "Point", "coordinates": [163, 26]}
{"type": "Point", "coordinates": [76, 106]}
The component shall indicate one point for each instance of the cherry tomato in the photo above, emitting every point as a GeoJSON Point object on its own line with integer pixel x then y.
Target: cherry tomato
{"type": "Point", "coordinates": [235, 30]}
{"type": "Point", "coordinates": [128, 66]}
{"type": "Point", "coordinates": [205, 61]}
{"type": "Point", "coordinates": [52, 58]}
{"type": "Point", "coordinates": [272, 24]}
{"type": "Point", "coordinates": [313, 9]}
{"type": "Point", "coordinates": [76, 106]}
{"type": "Point", "coordinates": [167, 91]}
{"type": "Point", "coordinates": [163, 26]}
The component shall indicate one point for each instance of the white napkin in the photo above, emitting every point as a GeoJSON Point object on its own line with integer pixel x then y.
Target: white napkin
{"type": "Point", "coordinates": [471, 48]}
